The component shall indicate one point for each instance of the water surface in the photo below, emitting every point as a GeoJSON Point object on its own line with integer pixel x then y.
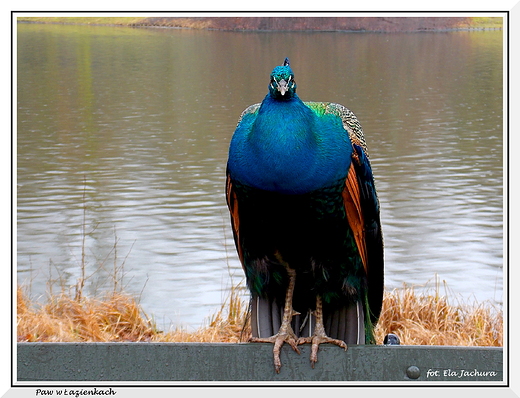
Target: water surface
{"type": "Point", "coordinates": [122, 138]}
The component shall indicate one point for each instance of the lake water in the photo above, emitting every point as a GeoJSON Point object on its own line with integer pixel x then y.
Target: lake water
{"type": "Point", "coordinates": [122, 138]}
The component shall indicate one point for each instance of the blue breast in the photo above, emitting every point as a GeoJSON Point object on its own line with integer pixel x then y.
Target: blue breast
{"type": "Point", "coordinates": [285, 147]}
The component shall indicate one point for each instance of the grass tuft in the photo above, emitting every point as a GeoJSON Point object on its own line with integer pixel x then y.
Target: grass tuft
{"type": "Point", "coordinates": [115, 317]}
{"type": "Point", "coordinates": [429, 319]}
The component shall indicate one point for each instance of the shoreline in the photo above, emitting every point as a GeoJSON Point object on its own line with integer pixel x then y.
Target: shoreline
{"type": "Point", "coordinates": [287, 24]}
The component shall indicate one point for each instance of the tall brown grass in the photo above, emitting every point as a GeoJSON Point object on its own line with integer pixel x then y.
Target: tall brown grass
{"type": "Point", "coordinates": [429, 319]}
{"type": "Point", "coordinates": [418, 319]}
{"type": "Point", "coordinates": [115, 317]}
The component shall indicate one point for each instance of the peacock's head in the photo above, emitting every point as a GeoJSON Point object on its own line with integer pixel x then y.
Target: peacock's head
{"type": "Point", "coordinates": [282, 85]}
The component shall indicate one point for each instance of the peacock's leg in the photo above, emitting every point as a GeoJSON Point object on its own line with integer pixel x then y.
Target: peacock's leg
{"type": "Point", "coordinates": [285, 333]}
{"type": "Point", "coordinates": [319, 336]}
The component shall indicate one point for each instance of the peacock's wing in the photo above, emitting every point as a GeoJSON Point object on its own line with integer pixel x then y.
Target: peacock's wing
{"type": "Point", "coordinates": [373, 237]}
{"type": "Point", "coordinates": [231, 195]}
{"type": "Point", "coordinates": [266, 313]}
{"type": "Point", "coordinates": [232, 202]}
{"type": "Point", "coordinates": [250, 110]}
{"type": "Point", "coordinates": [350, 121]}
{"type": "Point", "coordinates": [361, 205]}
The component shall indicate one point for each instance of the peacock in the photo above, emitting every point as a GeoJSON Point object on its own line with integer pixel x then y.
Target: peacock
{"type": "Point", "coordinates": [306, 221]}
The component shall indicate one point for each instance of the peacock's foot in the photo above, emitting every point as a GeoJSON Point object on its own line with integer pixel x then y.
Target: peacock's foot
{"type": "Point", "coordinates": [284, 335]}
{"type": "Point", "coordinates": [318, 338]}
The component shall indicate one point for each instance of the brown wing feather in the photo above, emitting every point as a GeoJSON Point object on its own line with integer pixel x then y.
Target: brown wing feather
{"type": "Point", "coordinates": [232, 202]}
{"type": "Point", "coordinates": [352, 202]}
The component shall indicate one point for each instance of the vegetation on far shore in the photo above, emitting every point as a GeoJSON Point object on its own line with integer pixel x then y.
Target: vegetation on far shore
{"type": "Point", "coordinates": [311, 23]}
{"type": "Point", "coordinates": [418, 319]}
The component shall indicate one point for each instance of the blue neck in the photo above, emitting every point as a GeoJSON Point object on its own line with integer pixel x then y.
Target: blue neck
{"type": "Point", "coordinates": [284, 128]}
{"type": "Point", "coordinates": [288, 149]}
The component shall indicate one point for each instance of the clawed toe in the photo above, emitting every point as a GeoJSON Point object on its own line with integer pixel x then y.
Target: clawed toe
{"type": "Point", "coordinates": [285, 335]}
{"type": "Point", "coordinates": [319, 336]}
{"type": "Point", "coordinates": [316, 340]}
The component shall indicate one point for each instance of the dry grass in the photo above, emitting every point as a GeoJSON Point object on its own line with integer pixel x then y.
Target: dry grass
{"type": "Point", "coordinates": [429, 319]}
{"type": "Point", "coordinates": [117, 317]}
{"type": "Point", "coordinates": [425, 319]}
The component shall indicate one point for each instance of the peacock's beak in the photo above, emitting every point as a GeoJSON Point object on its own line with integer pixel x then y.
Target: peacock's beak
{"type": "Point", "coordinates": [282, 87]}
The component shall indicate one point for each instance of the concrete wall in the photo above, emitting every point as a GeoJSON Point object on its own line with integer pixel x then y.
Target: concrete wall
{"type": "Point", "coordinates": [38, 362]}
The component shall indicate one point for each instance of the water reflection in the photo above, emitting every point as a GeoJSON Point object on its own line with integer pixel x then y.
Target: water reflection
{"type": "Point", "coordinates": [133, 125]}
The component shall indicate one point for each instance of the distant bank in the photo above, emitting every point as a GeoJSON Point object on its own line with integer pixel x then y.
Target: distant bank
{"type": "Point", "coordinates": [356, 24]}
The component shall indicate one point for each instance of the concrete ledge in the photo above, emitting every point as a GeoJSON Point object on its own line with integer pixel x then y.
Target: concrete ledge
{"type": "Point", "coordinates": [253, 362]}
